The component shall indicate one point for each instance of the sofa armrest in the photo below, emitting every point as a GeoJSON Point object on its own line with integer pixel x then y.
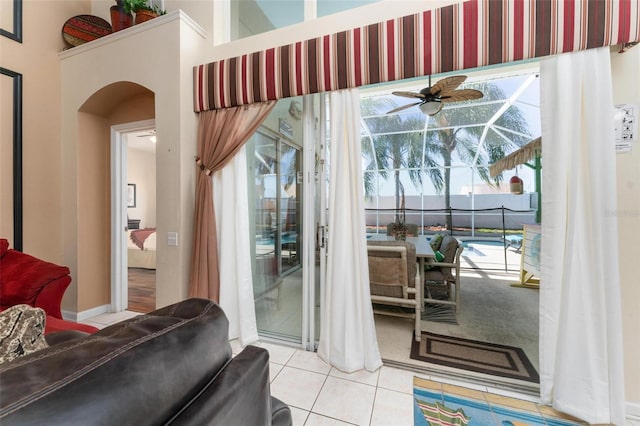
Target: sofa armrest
{"type": "Point", "coordinates": [50, 297]}
{"type": "Point", "coordinates": [280, 413]}
{"type": "Point", "coordinates": [24, 278]}
{"type": "Point", "coordinates": [238, 395]}
{"type": "Point", "coordinates": [136, 372]}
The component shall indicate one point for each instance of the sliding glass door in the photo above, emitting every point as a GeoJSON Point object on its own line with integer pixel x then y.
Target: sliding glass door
{"type": "Point", "coordinates": [284, 183]}
{"type": "Point", "coordinates": [277, 277]}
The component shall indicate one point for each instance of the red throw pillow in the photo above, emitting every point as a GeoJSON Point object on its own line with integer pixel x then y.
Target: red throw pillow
{"type": "Point", "coordinates": [23, 276]}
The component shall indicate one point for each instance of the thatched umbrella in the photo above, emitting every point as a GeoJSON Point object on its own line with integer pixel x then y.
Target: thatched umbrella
{"type": "Point", "coordinates": [521, 156]}
{"type": "Point", "coordinates": [531, 151]}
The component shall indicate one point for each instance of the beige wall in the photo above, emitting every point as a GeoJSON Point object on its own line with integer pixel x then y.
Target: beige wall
{"type": "Point", "coordinates": [36, 58]}
{"type": "Point", "coordinates": [94, 200]}
{"type": "Point", "coordinates": [141, 170]}
{"type": "Point", "coordinates": [626, 89]}
{"type": "Point", "coordinates": [155, 58]}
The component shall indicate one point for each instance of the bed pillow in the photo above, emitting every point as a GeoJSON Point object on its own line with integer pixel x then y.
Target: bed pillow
{"type": "Point", "coordinates": [21, 332]}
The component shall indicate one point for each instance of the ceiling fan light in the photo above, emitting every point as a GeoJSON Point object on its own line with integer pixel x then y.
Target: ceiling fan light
{"type": "Point", "coordinates": [430, 108]}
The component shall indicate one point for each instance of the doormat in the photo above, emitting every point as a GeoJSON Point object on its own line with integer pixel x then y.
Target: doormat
{"type": "Point", "coordinates": [471, 355]}
{"type": "Point", "coordinates": [433, 404]}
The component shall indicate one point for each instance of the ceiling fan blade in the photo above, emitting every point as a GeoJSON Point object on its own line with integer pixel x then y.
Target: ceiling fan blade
{"type": "Point", "coordinates": [448, 84]}
{"type": "Point", "coordinates": [409, 94]}
{"type": "Point", "coordinates": [403, 107]}
{"type": "Point", "coordinates": [147, 134]}
{"type": "Point", "coordinates": [462, 95]}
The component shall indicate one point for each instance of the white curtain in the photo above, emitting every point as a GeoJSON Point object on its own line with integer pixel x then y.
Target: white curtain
{"type": "Point", "coordinates": [348, 336]}
{"type": "Point", "coordinates": [581, 370]}
{"type": "Point", "coordinates": [232, 221]}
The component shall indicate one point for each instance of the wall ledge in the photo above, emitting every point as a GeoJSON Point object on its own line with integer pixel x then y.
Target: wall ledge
{"type": "Point", "coordinates": [174, 15]}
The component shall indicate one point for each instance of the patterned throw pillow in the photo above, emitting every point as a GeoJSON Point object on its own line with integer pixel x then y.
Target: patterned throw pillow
{"type": "Point", "coordinates": [435, 241]}
{"type": "Point", "coordinates": [21, 331]}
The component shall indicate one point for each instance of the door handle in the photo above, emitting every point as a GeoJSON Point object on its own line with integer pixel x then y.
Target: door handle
{"type": "Point", "coordinates": [320, 235]}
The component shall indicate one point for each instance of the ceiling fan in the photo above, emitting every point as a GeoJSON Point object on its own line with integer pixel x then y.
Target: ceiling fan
{"type": "Point", "coordinates": [151, 132]}
{"type": "Point", "coordinates": [151, 135]}
{"type": "Point", "coordinates": [444, 91]}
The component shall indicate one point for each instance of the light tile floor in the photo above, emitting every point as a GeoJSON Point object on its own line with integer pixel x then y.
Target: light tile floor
{"type": "Point", "coordinates": [319, 394]}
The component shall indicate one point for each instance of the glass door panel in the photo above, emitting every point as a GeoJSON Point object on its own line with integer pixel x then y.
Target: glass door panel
{"type": "Point", "coordinates": [290, 208]}
{"type": "Point", "coordinates": [286, 195]}
{"type": "Point", "coordinates": [277, 272]}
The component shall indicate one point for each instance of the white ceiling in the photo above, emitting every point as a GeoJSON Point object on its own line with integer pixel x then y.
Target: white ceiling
{"type": "Point", "coordinates": [141, 140]}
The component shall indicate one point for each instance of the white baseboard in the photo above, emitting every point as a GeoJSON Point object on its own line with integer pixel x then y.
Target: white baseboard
{"type": "Point", "coordinates": [83, 315]}
{"type": "Point", "coordinates": [632, 411]}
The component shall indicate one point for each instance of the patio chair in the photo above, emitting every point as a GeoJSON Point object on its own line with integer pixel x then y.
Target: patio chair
{"type": "Point", "coordinates": [444, 277]}
{"type": "Point", "coordinates": [514, 241]}
{"type": "Point", "coordinates": [394, 280]}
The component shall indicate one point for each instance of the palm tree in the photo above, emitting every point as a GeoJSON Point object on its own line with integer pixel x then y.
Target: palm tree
{"type": "Point", "coordinates": [455, 131]}
{"type": "Point", "coordinates": [390, 152]}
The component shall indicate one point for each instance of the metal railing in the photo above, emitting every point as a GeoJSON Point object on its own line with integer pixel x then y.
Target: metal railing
{"type": "Point", "coordinates": [495, 224]}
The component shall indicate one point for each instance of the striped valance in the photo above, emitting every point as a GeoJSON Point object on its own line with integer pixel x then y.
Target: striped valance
{"type": "Point", "coordinates": [464, 35]}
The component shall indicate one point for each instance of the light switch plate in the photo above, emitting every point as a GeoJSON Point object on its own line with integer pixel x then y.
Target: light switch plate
{"type": "Point", "coordinates": [172, 238]}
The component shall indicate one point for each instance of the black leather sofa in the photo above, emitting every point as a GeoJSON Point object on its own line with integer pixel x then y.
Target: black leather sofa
{"type": "Point", "coordinates": [172, 366]}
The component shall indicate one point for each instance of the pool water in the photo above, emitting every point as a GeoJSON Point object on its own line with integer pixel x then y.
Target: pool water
{"type": "Point", "coordinates": [471, 243]}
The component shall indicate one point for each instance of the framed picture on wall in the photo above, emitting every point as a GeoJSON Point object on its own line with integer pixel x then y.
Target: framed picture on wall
{"type": "Point", "coordinates": [13, 24]}
{"type": "Point", "coordinates": [131, 195]}
{"type": "Point", "coordinates": [11, 157]}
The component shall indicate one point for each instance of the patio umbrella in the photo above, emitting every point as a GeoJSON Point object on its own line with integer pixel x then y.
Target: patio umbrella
{"type": "Point", "coordinates": [521, 156]}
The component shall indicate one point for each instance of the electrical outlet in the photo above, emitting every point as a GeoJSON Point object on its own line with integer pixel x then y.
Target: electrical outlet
{"type": "Point", "coordinates": [172, 238]}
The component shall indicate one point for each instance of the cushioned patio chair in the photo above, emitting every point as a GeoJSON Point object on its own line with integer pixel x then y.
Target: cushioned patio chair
{"type": "Point", "coordinates": [394, 280]}
{"type": "Point", "coordinates": [444, 277]}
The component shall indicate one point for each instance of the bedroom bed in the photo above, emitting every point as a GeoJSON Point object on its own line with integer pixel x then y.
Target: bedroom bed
{"type": "Point", "coordinates": [141, 248]}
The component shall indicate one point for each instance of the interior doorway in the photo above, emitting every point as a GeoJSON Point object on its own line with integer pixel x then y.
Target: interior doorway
{"type": "Point", "coordinates": [141, 220]}
{"type": "Point", "coordinates": [134, 217]}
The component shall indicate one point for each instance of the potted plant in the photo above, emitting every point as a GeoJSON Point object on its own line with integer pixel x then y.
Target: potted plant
{"type": "Point", "coordinates": [120, 17]}
{"type": "Point", "coordinates": [142, 10]}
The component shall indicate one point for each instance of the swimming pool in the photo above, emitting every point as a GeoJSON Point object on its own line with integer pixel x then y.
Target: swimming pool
{"type": "Point", "coordinates": [471, 243]}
